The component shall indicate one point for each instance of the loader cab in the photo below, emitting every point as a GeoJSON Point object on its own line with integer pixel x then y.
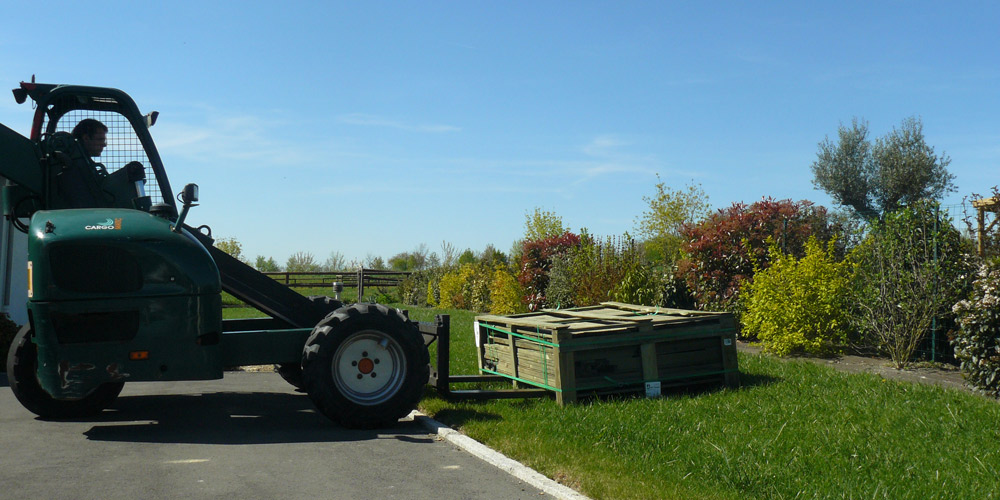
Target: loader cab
{"type": "Point", "coordinates": [127, 174]}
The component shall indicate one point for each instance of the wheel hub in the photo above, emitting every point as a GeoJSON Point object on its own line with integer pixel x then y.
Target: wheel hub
{"type": "Point", "coordinates": [369, 367]}
{"type": "Point", "coordinates": [365, 366]}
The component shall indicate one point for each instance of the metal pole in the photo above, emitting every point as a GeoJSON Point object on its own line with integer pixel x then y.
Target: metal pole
{"type": "Point", "coordinates": [937, 215]}
{"type": "Point", "coordinates": [361, 283]}
{"type": "Point", "coordinates": [981, 231]}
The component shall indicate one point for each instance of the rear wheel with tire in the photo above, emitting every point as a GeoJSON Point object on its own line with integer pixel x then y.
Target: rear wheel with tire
{"type": "Point", "coordinates": [22, 362]}
{"type": "Point", "coordinates": [365, 366]}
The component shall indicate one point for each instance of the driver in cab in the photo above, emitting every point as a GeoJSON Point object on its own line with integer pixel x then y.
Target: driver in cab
{"type": "Point", "coordinates": [93, 135]}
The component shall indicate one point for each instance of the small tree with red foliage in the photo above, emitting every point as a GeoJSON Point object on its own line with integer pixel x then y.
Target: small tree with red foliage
{"type": "Point", "coordinates": [720, 252]}
{"type": "Point", "coordinates": [536, 260]}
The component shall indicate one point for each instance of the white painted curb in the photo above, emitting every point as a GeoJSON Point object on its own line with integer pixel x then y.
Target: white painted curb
{"type": "Point", "coordinates": [491, 456]}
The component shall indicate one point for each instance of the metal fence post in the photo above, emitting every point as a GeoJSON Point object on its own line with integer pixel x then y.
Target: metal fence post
{"type": "Point", "coordinates": [361, 283]}
{"type": "Point", "coordinates": [937, 215]}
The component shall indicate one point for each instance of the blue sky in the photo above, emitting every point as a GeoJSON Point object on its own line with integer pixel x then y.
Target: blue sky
{"type": "Point", "coordinates": [371, 128]}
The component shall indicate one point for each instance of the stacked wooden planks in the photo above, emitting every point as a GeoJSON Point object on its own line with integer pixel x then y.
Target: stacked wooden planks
{"type": "Point", "coordinates": [609, 348]}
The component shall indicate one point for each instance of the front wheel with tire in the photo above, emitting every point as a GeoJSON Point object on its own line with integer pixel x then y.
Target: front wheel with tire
{"type": "Point", "coordinates": [22, 363]}
{"type": "Point", "coordinates": [365, 366]}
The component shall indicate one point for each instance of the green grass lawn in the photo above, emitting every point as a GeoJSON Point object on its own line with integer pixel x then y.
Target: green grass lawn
{"type": "Point", "coordinates": [794, 429]}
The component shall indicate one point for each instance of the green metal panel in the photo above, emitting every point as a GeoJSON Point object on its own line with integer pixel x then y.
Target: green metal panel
{"type": "Point", "coordinates": [171, 263]}
{"type": "Point", "coordinates": [263, 347]}
{"type": "Point", "coordinates": [19, 160]}
{"type": "Point", "coordinates": [108, 282]}
{"type": "Point", "coordinates": [176, 332]}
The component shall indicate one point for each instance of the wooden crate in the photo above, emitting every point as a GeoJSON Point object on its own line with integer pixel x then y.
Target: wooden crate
{"type": "Point", "coordinates": [610, 348]}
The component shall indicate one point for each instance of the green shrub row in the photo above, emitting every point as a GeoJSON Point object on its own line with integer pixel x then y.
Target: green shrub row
{"type": "Point", "coordinates": [553, 272]}
{"type": "Point", "coordinates": [884, 297]}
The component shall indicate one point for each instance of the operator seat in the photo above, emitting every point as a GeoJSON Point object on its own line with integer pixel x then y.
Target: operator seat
{"type": "Point", "coordinates": [77, 180]}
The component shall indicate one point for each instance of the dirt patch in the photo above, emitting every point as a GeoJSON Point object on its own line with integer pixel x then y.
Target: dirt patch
{"type": "Point", "coordinates": [941, 375]}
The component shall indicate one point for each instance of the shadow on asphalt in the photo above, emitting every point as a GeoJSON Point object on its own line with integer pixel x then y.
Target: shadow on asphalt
{"type": "Point", "coordinates": [3, 380]}
{"type": "Point", "coordinates": [229, 418]}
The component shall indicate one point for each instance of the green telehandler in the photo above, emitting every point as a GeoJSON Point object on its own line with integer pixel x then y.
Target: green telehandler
{"type": "Point", "coordinates": [120, 289]}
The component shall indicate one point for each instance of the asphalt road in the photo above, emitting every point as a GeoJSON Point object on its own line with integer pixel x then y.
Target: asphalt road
{"type": "Point", "coordinates": [247, 436]}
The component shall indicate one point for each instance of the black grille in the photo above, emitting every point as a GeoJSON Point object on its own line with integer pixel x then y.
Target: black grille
{"type": "Point", "coordinates": [94, 269]}
{"type": "Point", "coordinates": [118, 326]}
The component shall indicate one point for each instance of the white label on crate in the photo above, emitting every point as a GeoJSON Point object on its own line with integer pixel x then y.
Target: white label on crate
{"type": "Point", "coordinates": [475, 332]}
{"type": "Point", "coordinates": [652, 389]}
{"type": "Point", "coordinates": [727, 341]}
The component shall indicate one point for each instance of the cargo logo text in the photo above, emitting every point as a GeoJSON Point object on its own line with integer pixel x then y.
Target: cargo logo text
{"type": "Point", "coordinates": [110, 224]}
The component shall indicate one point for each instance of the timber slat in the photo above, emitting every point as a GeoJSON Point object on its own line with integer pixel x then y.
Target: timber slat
{"type": "Point", "coordinates": [569, 313]}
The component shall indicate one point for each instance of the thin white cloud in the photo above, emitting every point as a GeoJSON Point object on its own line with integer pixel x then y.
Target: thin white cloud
{"type": "Point", "coordinates": [451, 188]}
{"type": "Point", "coordinates": [609, 155]}
{"type": "Point", "coordinates": [689, 81]}
{"type": "Point", "coordinates": [755, 56]}
{"type": "Point", "coordinates": [378, 121]}
{"type": "Point", "coordinates": [237, 140]}
{"type": "Point", "coordinates": [603, 145]}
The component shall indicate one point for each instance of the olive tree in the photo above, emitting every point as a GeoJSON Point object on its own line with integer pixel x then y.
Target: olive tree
{"type": "Point", "coordinates": [875, 178]}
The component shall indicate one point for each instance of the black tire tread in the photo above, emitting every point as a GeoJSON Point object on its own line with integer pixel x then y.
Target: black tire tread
{"type": "Point", "coordinates": [21, 365]}
{"type": "Point", "coordinates": [316, 362]}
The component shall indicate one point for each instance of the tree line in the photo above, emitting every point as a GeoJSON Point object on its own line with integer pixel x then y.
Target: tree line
{"type": "Point", "coordinates": [879, 272]}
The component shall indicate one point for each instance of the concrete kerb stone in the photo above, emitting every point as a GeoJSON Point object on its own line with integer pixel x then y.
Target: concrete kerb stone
{"type": "Point", "coordinates": [497, 459]}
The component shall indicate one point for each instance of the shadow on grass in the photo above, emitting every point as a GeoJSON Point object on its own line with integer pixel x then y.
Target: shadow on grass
{"type": "Point", "coordinates": [457, 417]}
{"type": "Point", "coordinates": [747, 381]}
{"type": "Point", "coordinates": [474, 410]}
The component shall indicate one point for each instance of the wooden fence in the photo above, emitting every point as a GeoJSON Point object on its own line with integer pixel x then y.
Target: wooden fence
{"type": "Point", "coordinates": [350, 279]}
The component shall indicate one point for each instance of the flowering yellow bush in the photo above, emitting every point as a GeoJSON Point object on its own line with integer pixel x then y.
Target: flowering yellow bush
{"type": "Point", "coordinates": [452, 284]}
{"type": "Point", "coordinates": [800, 305]}
{"type": "Point", "coordinates": [432, 292]}
{"type": "Point", "coordinates": [506, 293]}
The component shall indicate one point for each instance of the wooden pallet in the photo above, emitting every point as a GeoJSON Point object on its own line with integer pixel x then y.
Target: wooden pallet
{"type": "Point", "coordinates": [610, 348]}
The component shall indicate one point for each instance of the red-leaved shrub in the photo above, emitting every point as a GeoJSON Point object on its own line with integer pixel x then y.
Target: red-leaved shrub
{"type": "Point", "coordinates": [719, 252]}
{"type": "Point", "coordinates": [536, 260]}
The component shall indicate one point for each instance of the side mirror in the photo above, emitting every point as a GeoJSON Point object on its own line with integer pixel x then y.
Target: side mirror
{"type": "Point", "coordinates": [190, 194]}
{"type": "Point", "coordinates": [151, 119]}
{"type": "Point", "coordinates": [188, 197]}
